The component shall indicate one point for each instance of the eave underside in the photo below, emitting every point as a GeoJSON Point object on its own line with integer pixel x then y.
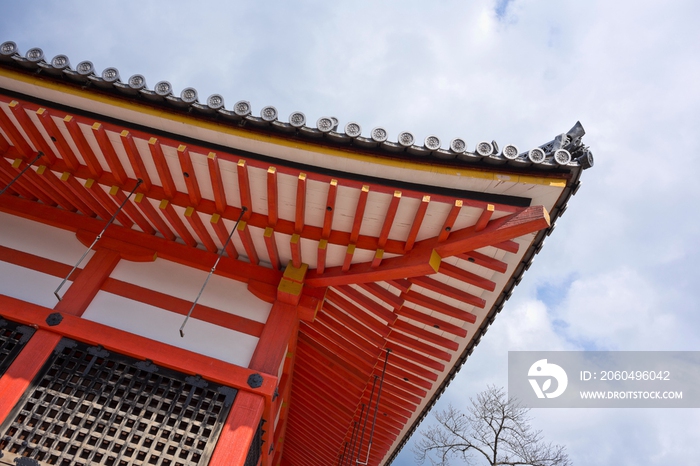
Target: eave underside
{"type": "Point", "coordinates": [402, 269]}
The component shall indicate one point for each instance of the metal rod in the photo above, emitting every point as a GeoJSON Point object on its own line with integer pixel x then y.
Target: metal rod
{"type": "Point", "coordinates": [342, 457]}
{"type": "Point", "coordinates": [211, 272]}
{"type": "Point", "coordinates": [97, 238]}
{"type": "Point", "coordinates": [352, 439]}
{"type": "Point", "coordinates": [376, 409]}
{"type": "Point", "coordinates": [39, 155]}
{"type": "Point", "coordinates": [354, 442]}
{"type": "Point", "coordinates": [364, 426]}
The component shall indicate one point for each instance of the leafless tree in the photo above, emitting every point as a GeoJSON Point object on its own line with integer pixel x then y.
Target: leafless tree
{"type": "Point", "coordinates": [495, 429]}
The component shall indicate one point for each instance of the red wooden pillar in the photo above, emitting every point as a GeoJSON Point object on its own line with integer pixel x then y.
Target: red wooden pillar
{"type": "Point", "coordinates": [239, 430]}
{"type": "Point", "coordinates": [24, 368]}
{"type": "Point", "coordinates": [244, 418]}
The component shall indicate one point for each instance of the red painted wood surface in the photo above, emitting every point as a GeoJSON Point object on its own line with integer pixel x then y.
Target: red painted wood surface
{"type": "Point", "coordinates": [239, 430]}
{"type": "Point", "coordinates": [82, 291]}
{"type": "Point", "coordinates": [136, 346]}
{"type": "Point", "coordinates": [15, 381]}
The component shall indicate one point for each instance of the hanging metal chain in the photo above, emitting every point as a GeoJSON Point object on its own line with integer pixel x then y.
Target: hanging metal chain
{"type": "Point", "coordinates": [97, 238]}
{"type": "Point", "coordinates": [41, 154]}
{"type": "Point", "coordinates": [211, 272]}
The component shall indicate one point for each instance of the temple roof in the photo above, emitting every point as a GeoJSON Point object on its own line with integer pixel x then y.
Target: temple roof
{"type": "Point", "coordinates": [410, 247]}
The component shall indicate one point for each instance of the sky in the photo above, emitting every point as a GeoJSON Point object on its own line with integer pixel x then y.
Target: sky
{"type": "Point", "coordinates": [619, 272]}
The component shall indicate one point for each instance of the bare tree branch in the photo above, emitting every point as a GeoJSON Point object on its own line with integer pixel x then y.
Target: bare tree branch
{"type": "Point", "coordinates": [494, 428]}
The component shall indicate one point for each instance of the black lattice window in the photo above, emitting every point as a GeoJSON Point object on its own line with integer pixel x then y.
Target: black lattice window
{"type": "Point", "coordinates": [88, 406]}
{"type": "Point", "coordinates": [13, 337]}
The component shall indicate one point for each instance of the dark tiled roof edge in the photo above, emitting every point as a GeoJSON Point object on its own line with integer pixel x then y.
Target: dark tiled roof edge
{"type": "Point", "coordinates": [565, 153]}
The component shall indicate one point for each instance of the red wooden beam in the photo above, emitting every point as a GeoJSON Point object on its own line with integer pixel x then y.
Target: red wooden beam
{"type": "Point", "coordinates": [238, 431]}
{"type": "Point", "coordinates": [337, 332]}
{"type": "Point", "coordinates": [272, 206]}
{"type": "Point", "coordinates": [4, 145]}
{"type": "Point", "coordinates": [330, 207]}
{"type": "Point", "coordinates": [109, 153]}
{"type": "Point", "coordinates": [182, 307]}
{"type": "Point", "coordinates": [382, 293]}
{"type": "Point", "coordinates": [247, 240]}
{"type": "Point", "coordinates": [425, 348]}
{"type": "Point", "coordinates": [414, 355]}
{"type": "Point", "coordinates": [15, 381]}
{"type": "Point", "coordinates": [169, 250]}
{"type": "Point", "coordinates": [352, 325]}
{"type": "Point", "coordinates": [348, 355]}
{"type": "Point", "coordinates": [83, 147]}
{"type": "Point", "coordinates": [417, 222]}
{"type": "Point", "coordinates": [300, 204]}
{"type": "Point", "coordinates": [450, 221]}
{"type": "Point", "coordinates": [198, 226]}
{"type": "Point", "coordinates": [432, 321]}
{"type": "Point", "coordinates": [16, 188]}
{"type": "Point", "coordinates": [484, 261]}
{"type": "Point", "coordinates": [23, 185]}
{"type": "Point", "coordinates": [321, 256]}
{"type": "Point", "coordinates": [367, 303]}
{"type": "Point", "coordinates": [132, 211]}
{"type": "Point", "coordinates": [244, 188]}
{"type": "Point", "coordinates": [389, 219]}
{"type": "Point", "coordinates": [450, 291]}
{"type": "Point", "coordinates": [466, 276]}
{"type": "Point", "coordinates": [183, 155]}
{"type": "Point", "coordinates": [528, 220]}
{"type": "Point", "coordinates": [317, 362]}
{"type": "Point", "coordinates": [332, 359]}
{"type": "Point", "coordinates": [271, 349]}
{"type": "Point", "coordinates": [418, 263]}
{"type": "Point", "coordinates": [68, 195]}
{"type": "Point", "coordinates": [359, 214]}
{"type": "Point", "coordinates": [365, 318]}
{"type": "Point", "coordinates": [407, 377]}
{"type": "Point", "coordinates": [57, 137]}
{"type": "Point", "coordinates": [106, 201]}
{"type": "Point", "coordinates": [43, 191]}
{"type": "Point", "coordinates": [151, 214]}
{"type": "Point", "coordinates": [217, 223]}
{"type": "Point", "coordinates": [217, 182]}
{"type": "Point", "coordinates": [166, 178]}
{"type": "Point", "coordinates": [508, 246]}
{"type": "Point", "coordinates": [295, 246]}
{"type": "Point", "coordinates": [347, 259]}
{"type": "Point", "coordinates": [401, 284]}
{"type": "Point", "coordinates": [135, 159]}
{"type": "Point", "coordinates": [271, 245]}
{"type": "Point", "coordinates": [377, 260]}
{"type": "Point", "coordinates": [169, 212]}
{"type": "Point", "coordinates": [484, 218]}
{"type": "Point", "coordinates": [32, 131]}
{"type": "Point", "coordinates": [72, 183]}
{"type": "Point", "coordinates": [129, 344]}
{"type": "Point", "coordinates": [15, 137]}
{"type": "Point", "coordinates": [83, 290]}
{"type": "Point", "coordinates": [425, 335]}
{"type": "Point", "coordinates": [438, 306]}
{"type": "Point", "coordinates": [417, 370]}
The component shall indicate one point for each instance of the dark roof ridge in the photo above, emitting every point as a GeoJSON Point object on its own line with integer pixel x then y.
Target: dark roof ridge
{"type": "Point", "coordinates": [564, 152]}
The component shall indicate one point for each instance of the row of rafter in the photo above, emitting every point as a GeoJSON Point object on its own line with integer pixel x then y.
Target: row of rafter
{"type": "Point", "coordinates": [29, 130]}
